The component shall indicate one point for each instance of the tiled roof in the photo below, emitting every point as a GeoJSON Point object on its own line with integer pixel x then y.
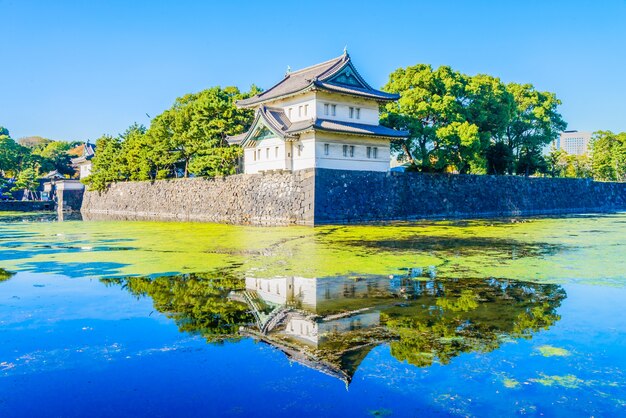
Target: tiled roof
{"type": "Point", "coordinates": [357, 91]}
{"type": "Point", "coordinates": [236, 139]}
{"type": "Point", "coordinates": [319, 76]}
{"type": "Point", "coordinates": [274, 118]}
{"type": "Point", "coordinates": [278, 122]}
{"type": "Point", "coordinates": [349, 128]}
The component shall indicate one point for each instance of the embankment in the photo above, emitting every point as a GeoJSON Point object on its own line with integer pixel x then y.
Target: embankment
{"type": "Point", "coordinates": [321, 196]}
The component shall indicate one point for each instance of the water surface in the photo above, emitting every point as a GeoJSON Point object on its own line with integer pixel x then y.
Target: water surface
{"type": "Point", "coordinates": [501, 317]}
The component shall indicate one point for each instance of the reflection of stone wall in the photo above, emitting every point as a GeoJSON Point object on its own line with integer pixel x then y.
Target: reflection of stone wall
{"type": "Point", "coordinates": [269, 199]}
{"type": "Point", "coordinates": [359, 196]}
{"type": "Point", "coordinates": [350, 197]}
{"type": "Point", "coordinates": [25, 206]}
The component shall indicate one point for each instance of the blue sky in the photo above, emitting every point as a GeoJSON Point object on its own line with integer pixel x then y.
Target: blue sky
{"type": "Point", "coordinates": [76, 69]}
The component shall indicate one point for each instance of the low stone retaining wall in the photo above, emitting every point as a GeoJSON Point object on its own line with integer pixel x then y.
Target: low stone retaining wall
{"type": "Point", "coordinates": [359, 196]}
{"type": "Point", "coordinates": [25, 206]}
{"type": "Point", "coordinates": [269, 199]}
{"type": "Point", "coordinates": [321, 196]}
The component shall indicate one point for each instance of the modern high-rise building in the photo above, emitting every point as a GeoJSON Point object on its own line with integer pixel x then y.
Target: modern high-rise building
{"type": "Point", "coordinates": [574, 142]}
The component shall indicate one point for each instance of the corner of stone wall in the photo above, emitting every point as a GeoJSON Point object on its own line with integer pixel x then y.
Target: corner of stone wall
{"type": "Point", "coordinates": [306, 178]}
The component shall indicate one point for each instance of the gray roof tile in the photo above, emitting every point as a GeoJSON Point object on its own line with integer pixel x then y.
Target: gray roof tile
{"type": "Point", "coordinates": [318, 76]}
{"type": "Point", "coordinates": [350, 128]}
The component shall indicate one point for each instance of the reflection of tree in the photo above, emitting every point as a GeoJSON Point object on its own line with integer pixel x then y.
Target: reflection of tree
{"type": "Point", "coordinates": [198, 303]}
{"type": "Point", "coordinates": [5, 275]}
{"type": "Point", "coordinates": [457, 316]}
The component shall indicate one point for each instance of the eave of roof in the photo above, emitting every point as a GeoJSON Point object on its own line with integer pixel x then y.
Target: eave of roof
{"type": "Point", "coordinates": [355, 91]}
{"type": "Point", "coordinates": [276, 120]}
{"type": "Point", "coordinates": [351, 128]}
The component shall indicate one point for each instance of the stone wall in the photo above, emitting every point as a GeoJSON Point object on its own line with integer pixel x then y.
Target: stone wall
{"type": "Point", "coordinates": [25, 206]}
{"type": "Point", "coordinates": [324, 196]}
{"type": "Point", "coordinates": [257, 199]}
{"type": "Point", "coordinates": [359, 196]}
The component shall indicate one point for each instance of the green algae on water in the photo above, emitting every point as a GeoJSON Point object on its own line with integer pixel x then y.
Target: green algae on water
{"type": "Point", "coordinates": [568, 381]}
{"type": "Point", "coordinates": [550, 351]}
{"type": "Point", "coordinates": [586, 249]}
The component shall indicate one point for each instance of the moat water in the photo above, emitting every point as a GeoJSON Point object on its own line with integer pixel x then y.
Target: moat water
{"type": "Point", "coordinates": [473, 318]}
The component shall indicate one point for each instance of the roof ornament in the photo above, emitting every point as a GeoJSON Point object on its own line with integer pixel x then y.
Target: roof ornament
{"type": "Point", "coordinates": [345, 50]}
{"type": "Point", "coordinates": [288, 70]}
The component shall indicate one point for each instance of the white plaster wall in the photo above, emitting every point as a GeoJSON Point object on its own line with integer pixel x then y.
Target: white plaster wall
{"type": "Point", "coordinates": [69, 185]}
{"type": "Point", "coordinates": [264, 163]}
{"type": "Point", "coordinates": [369, 114]}
{"type": "Point", "coordinates": [294, 103]}
{"type": "Point", "coordinates": [85, 170]}
{"type": "Point", "coordinates": [369, 108]}
{"type": "Point", "coordinates": [336, 160]}
{"type": "Point", "coordinates": [303, 152]}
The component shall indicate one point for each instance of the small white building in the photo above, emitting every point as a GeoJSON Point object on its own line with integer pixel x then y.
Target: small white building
{"type": "Point", "coordinates": [323, 116]}
{"type": "Point", "coordinates": [83, 162]}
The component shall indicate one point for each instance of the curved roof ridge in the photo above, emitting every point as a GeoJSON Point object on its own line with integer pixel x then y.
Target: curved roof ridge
{"type": "Point", "coordinates": [311, 67]}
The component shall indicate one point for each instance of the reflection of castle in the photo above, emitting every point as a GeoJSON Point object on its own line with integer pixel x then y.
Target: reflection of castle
{"type": "Point", "coordinates": [329, 324]}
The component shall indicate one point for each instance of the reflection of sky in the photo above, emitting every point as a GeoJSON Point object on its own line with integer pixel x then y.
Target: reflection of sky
{"type": "Point", "coordinates": [76, 345]}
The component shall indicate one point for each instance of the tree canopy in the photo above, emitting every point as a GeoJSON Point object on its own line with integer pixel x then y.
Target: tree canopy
{"type": "Point", "coordinates": [456, 121]}
{"type": "Point", "coordinates": [187, 139]}
{"type": "Point", "coordinates": [27, 159]}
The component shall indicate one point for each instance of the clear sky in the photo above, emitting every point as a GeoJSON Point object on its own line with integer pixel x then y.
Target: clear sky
{"type": "Point", "coordinates": [78, 69]}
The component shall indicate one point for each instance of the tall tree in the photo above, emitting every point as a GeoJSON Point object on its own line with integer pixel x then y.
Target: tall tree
{"type": "Point", "coordinates": [13, 157]}
{"type": "Point", "coordinates": [429, 101]}
{"type": "Point", "coordinates": [27, 181]}
{"type": "Point", "coordinates": [535, 123]}
{"type": "Point", "coordinates": [608, 151]}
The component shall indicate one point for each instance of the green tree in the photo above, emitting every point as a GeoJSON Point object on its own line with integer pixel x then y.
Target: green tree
{"type": "Point", "coordinates": [457, 146]}
{"type": "Point", "coordinates": [534, 123]}
{"type": "Point", "coordinates": [577, 166]}
{"type": "Point", "coordinates": [452, 118]}
{"type": "Point", "coordinates": [555, 162]}
{"type": "Point", "coordinates": [429, 101]}
{"type": "Point", "coordinates": [608, 156]}
{"type": "Point", "coordinates": [9, 153]}
{"type": "Point", "coordinates": [189, 138]}
{"type": "Point", "coordinates": [196, 127]}
{"type": "Point", "coordinates": [499, 158]}
{"type": "Point", "coordinates": [27, 180]}
{"type": "Point", "coordinates": [54, 156]}
{"type": "Point", "coordinates": [34, 141]}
